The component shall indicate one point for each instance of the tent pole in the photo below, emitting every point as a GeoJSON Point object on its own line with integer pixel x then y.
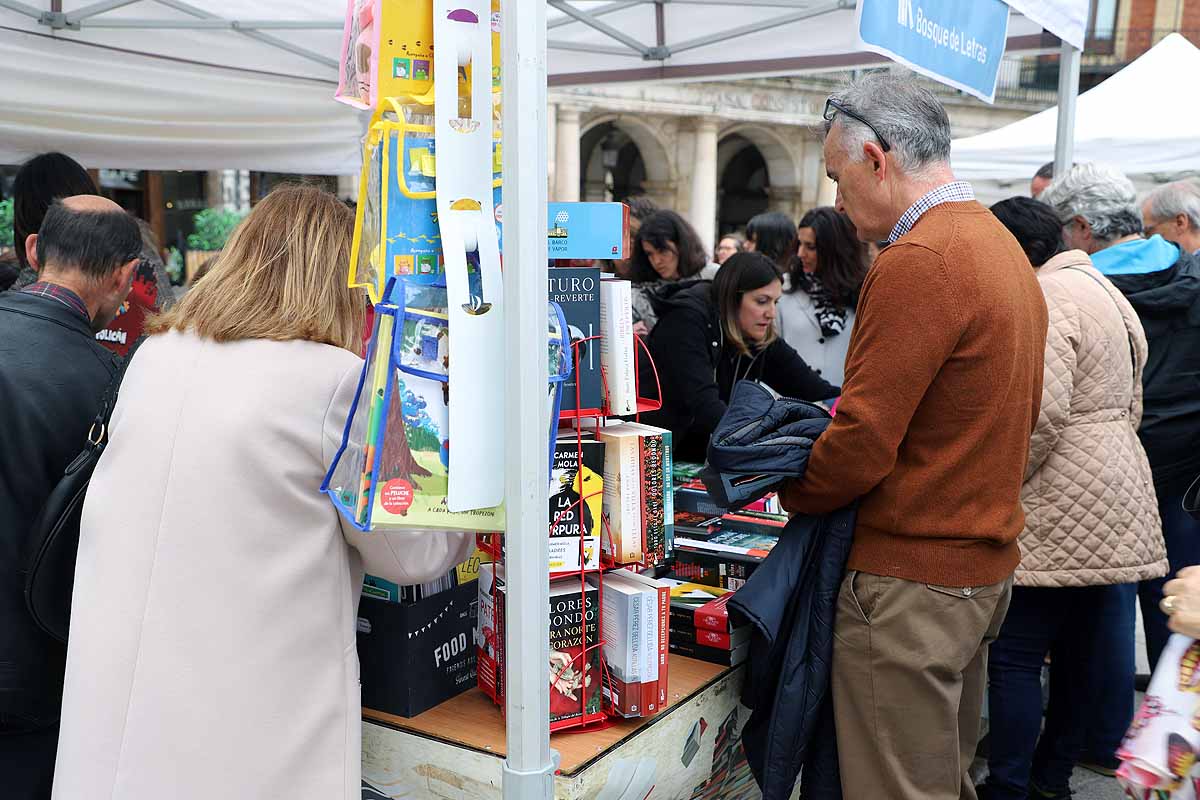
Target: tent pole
{"type": "Point", "coordinates": [528, 769]}
{"type": "Point", "coordinates": [1068, 92]}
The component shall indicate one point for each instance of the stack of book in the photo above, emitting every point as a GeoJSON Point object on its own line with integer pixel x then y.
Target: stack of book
{"type": "Point", "coordinates": [635, 612]}
{"type": "Point", "coordinates": [725, 551]}
{"type": "Point", "coordinates": [639, 504]}
{"type": "Point", "coordinates": [701, 627]}
{"type": "Point", "coordinates": [574, 673]}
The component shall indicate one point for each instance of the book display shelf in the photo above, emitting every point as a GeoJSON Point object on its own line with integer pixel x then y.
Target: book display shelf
{"type": "Point", "coordinates": [578, 671]}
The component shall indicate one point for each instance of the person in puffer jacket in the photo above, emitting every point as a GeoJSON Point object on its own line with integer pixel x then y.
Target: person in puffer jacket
{"type": "Point", "coordinates": [1092, 528]}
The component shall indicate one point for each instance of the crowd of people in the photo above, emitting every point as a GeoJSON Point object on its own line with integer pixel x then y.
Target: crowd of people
{"type": "Point", "coordinates": [1016, 398]}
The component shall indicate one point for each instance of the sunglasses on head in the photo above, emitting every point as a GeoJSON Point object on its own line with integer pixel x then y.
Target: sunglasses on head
{"type": "Point", "coordinates": [833, 108]}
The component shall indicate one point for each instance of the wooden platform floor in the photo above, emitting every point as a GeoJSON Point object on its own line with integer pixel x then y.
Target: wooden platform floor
{"type": "Point", "coordinates": [471, 720]}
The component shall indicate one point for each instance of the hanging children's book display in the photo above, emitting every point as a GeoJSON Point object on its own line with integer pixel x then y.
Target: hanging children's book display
{"type": "Point", "coordinates": [428, 252]}
{"type": "Point", "coordinates": [392, 468]}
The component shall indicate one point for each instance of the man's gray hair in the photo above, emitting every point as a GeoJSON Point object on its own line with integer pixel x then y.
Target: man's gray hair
{"type": "Point", "coordinates": [1172, 199]}
{"type": "Point", "coordinates": [906, 114]}
{"type": "Point", "coordinates": [1102, 195]}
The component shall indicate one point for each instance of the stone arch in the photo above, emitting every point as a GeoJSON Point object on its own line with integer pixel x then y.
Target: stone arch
{"type": "Point", "coordinates": [660, 169]}
{"type": "Point", "coordinates": [743, 183]}
{"type": "Point", "coordinates": [784, 168]}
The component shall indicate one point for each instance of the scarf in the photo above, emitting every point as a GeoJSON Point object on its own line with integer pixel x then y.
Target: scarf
{"type": "Point", "coordinates": [830, 316]}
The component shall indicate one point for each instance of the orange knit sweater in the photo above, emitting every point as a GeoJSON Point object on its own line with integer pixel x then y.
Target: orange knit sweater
{"type": "Point", "coordinates": [943, 383]}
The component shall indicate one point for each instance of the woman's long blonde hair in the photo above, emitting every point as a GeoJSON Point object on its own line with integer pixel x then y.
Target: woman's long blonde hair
{"type": "Point", "coordinates": [282, 276]}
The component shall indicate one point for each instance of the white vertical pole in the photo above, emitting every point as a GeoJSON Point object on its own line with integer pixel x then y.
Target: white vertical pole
{"type": "Point", "coordinates": [1068, 91]}
{"type": "Point", "coordinates": [528, 770]}
{"type": "Point", "coordinates": [566, 161]}
{"type": "Point", "coordinates": [704, 183]}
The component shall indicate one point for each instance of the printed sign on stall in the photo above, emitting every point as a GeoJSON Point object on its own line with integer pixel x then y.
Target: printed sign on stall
{"type": "Point", "coordinates": [960, 44]}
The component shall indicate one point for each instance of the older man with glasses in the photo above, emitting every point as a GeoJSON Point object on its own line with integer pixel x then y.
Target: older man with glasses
{"type": "Point", "coordinates": [943, 384]}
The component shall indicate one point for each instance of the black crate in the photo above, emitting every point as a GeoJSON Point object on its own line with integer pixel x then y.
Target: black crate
{"type": "Point", "coordinates": [414, 656]}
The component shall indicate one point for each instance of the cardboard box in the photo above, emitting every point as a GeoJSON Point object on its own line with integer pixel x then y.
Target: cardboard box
{"type": "Point", "coordinates": [415, 656]}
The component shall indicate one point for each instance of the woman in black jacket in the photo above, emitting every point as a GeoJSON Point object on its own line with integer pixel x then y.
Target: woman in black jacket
{"type": "Point", "coordinates": [711, 335]}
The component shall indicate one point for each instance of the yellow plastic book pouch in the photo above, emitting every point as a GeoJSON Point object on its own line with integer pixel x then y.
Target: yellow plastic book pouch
{"type": "Point", "coordinates": [396, 227]}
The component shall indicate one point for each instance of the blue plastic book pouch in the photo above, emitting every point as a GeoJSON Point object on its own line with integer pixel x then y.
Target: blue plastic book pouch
{"type": "Point", "coordinates": [393, 466]}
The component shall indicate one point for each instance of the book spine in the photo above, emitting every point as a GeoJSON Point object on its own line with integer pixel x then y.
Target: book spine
{"type": "Point", "coordinates": [635, 666]}
{"type": "Point", "coordinates": [664, 631]}
{"type": "Point", "coordinates": [652, 500]}
{"type": "Point", "coordinates": [711, 638]}
{"type": "Point", "coordinates": [668, 497]}
{"type": "Point", "coordinates": [712, 655]}
{"type": "Point", "coordinates": [626, 353]}
{"type": "Point", "coordinates": [616, 350]}
{"type": "Point", "coordinates": [714, 615]}
{"type": "Point", "coordinates": [632, 547]}
{"type": "Point", "coordinates": [649, 650]}
{"type": "Point", "coordinates": [611, 507]}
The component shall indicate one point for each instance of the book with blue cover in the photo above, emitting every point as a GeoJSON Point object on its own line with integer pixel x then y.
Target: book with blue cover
{"type": "Point", "coordinates": [577, 290]}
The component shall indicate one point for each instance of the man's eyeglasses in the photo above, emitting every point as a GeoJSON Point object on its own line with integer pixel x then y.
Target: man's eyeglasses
{"type": "Point", "coordinates": [833, 108]}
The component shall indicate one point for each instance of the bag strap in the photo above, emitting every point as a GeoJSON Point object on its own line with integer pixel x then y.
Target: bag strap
{"type": "Point", "coordinates": [99, 430]}
{"type": "Point", "coordinates": [1108, 288]}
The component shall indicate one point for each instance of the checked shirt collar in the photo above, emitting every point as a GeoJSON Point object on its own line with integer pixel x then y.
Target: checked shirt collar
{"type": "Point", "coordinates": [956, 192]}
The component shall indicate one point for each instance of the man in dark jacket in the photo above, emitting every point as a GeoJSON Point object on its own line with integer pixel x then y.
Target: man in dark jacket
{"type": "Point", "coordinates": [52, 376]}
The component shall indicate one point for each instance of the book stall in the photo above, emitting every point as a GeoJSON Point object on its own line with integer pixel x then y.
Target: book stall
{"type": "Point", "coordinates": [634, 564]}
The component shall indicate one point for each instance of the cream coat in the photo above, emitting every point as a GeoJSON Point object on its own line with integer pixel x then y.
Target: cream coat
{"type": "Point", "coordinates": [212, 646]}
{"type": "Point", "coordinates": [796, 319]}
{"type": "Point", "coordinates": [1091, 516]}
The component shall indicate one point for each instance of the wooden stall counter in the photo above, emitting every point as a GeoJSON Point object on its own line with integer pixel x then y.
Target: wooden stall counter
{"type": "Point", "coordinates": [691, 749]}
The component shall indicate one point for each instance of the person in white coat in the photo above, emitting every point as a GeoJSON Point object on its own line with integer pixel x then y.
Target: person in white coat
{"type": "Point", "coordinates": [212, 644]}
{"type": "Point", "coordinates": [816, 312]}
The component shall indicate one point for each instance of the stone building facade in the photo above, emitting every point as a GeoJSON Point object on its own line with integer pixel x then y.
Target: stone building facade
{"type": "Point", "coordinates": [716, 152]}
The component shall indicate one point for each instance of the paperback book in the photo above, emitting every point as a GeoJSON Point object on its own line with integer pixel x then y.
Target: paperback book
{"type": "Point", "coordinates": [574, 673]}
{"type": "Point", "coordinates": [576, 500]}
{"type": "Point", "coordinates": [577, 290]}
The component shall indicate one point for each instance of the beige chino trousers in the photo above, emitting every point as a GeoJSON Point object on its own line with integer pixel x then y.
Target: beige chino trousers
{"type": "Point", "coordinates": [909, 674]}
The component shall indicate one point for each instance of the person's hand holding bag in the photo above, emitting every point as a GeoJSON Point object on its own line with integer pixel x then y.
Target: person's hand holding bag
{"type": "Point", "coordinates": [1181, 602]}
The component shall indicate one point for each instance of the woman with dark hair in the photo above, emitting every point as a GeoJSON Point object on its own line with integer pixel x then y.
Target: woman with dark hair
{"type": "Point", "coordinates": [1092, 531]}
{"type": "Point", "coordinates": [774, 235]}
{"type": "Point", "coordinates": [39, 182]}
{"type": "Point", "coordinates": [666, 250]}
{"type": "Point", "coordinates": [821, 289]}
{"type": "Point", "coordinates": [641, 208]}
{"type": "Point", "coordinates": [710, 336]}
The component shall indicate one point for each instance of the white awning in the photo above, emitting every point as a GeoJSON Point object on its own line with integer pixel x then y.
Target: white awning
{"type": "Point", "coordinates": [1133, 120]}
{"type": "Point", "coordinates": [169, 84]}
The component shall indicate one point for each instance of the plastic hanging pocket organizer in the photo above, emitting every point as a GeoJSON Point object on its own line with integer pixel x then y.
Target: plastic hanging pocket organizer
{"type": "Point", "coordinates": [392, 468]}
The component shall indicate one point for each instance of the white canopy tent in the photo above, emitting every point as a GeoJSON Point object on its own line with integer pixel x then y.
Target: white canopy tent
{"type": "Point", "coordinates": [1133, 120]}
{"type": "Point", "coordinates": [169, 84]}
{"type": "Point", "coordinates": [164, 84]}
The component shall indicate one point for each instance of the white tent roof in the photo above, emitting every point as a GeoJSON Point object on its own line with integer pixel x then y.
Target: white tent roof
{"type": "Point", "coordinates": [169, 84]}
{"type": "Point", "coordinates": [1133, 120]}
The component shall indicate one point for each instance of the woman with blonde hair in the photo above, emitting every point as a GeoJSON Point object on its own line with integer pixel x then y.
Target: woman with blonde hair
{"type": "Point", "coordinates": [212, 644]}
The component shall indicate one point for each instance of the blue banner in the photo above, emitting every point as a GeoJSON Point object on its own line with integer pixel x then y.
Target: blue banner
{"type": "Point", "coordinates": [956, 42]}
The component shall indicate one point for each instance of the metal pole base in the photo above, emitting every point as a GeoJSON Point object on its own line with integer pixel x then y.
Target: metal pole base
{"type": "Point", "coordinates": [520, 785]}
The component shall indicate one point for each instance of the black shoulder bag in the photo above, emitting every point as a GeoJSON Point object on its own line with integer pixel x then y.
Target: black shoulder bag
{"type": "Point", "coordinates": [50, 574]}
